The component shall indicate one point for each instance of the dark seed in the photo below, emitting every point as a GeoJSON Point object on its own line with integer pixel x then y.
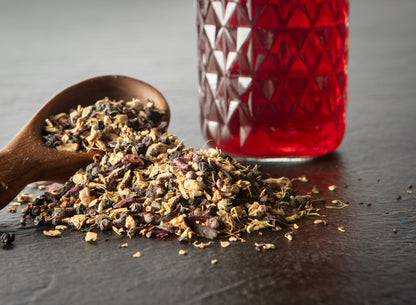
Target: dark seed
{"type": "Point", "coordinates": [105, 224]}
{"type": "Point", "coordinates": [148, 141]}
{"type": "Point", "coordinates": [91, 213]}
{"type": "Point", "coordinates": [136, 207]}
{"type": "Point", "coordinates": [203, 166]}
{"type": "Point", "coordinates": [140, 147]}
{"type": "Point", "coordinates": [174, 155]}
{"type": "Point", "coordinates": [164, 140]}
{"type": "Point", "coordinates": [106, 204]}
{"type": "Point", "coordinates": [211, 210]}
{"type": "Point", "coordinates": [7, 238]}
{"type": "Point", "coordinates": [39, 220]}
{"type": "Point", "coordinates": [39, 201]}
{"type": "Point", "coordinates": [35, 211]}
{"type": "Point", "coordinates": [81, 209]}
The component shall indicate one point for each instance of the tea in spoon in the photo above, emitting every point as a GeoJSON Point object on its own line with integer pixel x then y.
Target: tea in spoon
{"type": "Point", "coordinates": [27, 159]}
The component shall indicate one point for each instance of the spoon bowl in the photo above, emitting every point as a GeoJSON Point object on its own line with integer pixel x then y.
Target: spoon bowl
{"type": "Point", "coordinates": [27, 159]}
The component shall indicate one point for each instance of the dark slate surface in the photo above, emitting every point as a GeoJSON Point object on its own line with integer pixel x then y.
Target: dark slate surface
{"type": "Point", "coordinates": [46, 46]}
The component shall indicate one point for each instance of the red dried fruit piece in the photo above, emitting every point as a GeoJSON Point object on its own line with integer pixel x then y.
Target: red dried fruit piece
{"type": "Point", "coordinates": [133, 160]}
{"type": "Point", "coordinates": [124, 203]}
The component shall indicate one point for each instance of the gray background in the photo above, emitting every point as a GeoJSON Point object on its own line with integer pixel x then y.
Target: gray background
{"type": "Point", "coordinates": [46, 46]}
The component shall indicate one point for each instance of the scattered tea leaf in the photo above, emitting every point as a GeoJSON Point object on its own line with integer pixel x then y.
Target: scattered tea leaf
{"type": "Point", "coordinates": [289, 236]}
{"type": "Point", "coordinates": [52, 233]}
{"type": "Point", "coordinates": [137, 254]}
{"type": "Point", "coordinates": [332, 188]}
{"type": "Point", "coordinates": [61, 227]}
{"type": "Point", "coordinates": [182, 252]}
{"type": "Point", "coordinates": [264, 246]}
{"type": "Point", "coordinates": [90, 237]}
{"type": "Point", "coordinates": [202, 245]}
{"type": "Point", "coordinates": [225, 244]}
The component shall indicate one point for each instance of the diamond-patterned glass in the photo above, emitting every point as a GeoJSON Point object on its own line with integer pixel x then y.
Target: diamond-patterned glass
{"type": "Point", "coordinates": [273, 75]}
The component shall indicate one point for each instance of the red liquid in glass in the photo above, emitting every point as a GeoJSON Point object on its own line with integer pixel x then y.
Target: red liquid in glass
{"type": "Point", "coordinates": [273, 76]}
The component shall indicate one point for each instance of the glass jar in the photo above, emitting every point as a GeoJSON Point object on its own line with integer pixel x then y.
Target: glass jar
{"type": "Point", "coordinates": [273, 76]}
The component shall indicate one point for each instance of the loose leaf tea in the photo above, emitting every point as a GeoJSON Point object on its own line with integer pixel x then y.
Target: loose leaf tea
{"type": "Point", "coordinates": [52, 233]}
{"type": "Point", "coordinates": [149, 183]}
{"type": "Point", "coordinates": [107, 125]}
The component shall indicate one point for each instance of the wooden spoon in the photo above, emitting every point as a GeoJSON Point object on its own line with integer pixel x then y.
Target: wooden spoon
{"type": "Point", "coordinates": [27, 159]}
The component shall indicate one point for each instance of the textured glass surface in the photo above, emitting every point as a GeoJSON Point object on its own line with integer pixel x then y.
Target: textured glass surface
{"type": "Point", "coordinates": [273, 75]}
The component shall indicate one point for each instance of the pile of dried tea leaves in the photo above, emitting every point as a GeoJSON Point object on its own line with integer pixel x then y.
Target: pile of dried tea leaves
{"type": "Point", "coordinates": [106, 125]}
{"type": "Point", "coordinates": [148, 183]}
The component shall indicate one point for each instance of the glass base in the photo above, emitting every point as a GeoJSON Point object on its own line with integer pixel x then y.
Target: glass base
{"type": "Point", "coordinates": [273, 159]}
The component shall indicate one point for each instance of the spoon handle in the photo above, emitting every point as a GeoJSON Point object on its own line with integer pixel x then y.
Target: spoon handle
{"type": "Point", "coordinates": [30, 162]}
{"type": "Point", "coordinates": [15, 174]}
